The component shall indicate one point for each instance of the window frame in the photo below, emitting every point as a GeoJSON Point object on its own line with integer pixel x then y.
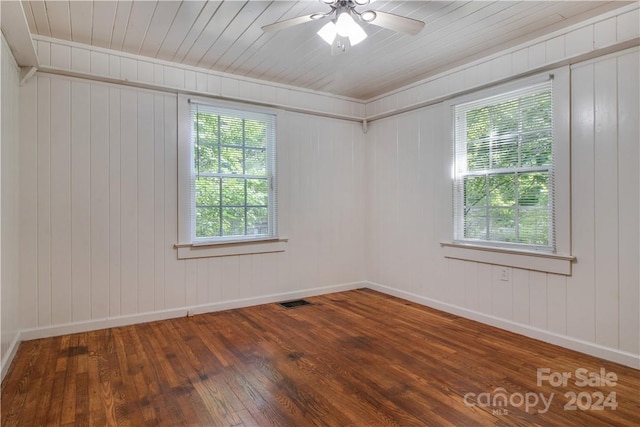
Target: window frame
{"type": "Point", "coordinates": [188, 245]}
{"type": "Point", "coordinates": [560, 260]}
{"type": "Point", "coordinates": [460, 175]}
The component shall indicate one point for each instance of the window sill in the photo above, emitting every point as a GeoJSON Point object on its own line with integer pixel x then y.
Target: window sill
{"type": "Point", "coordinates": [190, 250]}
{"type": "Point", "coordinates": [529, 260]}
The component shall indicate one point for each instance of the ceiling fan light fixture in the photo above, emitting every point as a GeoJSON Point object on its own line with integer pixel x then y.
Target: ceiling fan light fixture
{"type": "Point", "coordinates": [345, 24]}
{"type": "Point", "coordinates": [317, 16]}
{"type": "Point", "coordinates": [361, 2]}
{"type": "Point", "coordinates": [328, 32]}
{"type": "Point", "coordinates": [368, 15]}
{"type": "Point", "coordinates": [357, 34]}
{"type": "Point", "coordinates": [345, 27]}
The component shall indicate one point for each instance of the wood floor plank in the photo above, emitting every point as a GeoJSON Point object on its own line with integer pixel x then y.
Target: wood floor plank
{"type": "Point", "coordinates": [159, 376]}
{"type": "Point", "coordinates": [40, 359]}
{"type": "Point", "coordinates": [20, 394]}
{"type": "Point", "coordinates": [357, 358]}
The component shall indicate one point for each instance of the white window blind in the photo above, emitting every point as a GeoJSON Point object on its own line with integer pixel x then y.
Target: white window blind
{"type": "Point", "coordinates": [233, 164]}
{"type": "Point", "coordinates": [504, 179]}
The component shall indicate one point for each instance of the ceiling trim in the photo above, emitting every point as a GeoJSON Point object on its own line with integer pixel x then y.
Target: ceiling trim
{"type": "Point", "coordinates": [594, 20]}
{"type": "Point", "coordinates": [573, 44]}
{"type": "Point", "coordinates": [304, 102]}
{"type": "Point", "coordinates": [61, 57]}
{"type": "Point", "coordinates": [191, 67]}
{"type": "Point", "coordinates": [46, 70]}
{"type": "Point", "coordinates": [16, 31]}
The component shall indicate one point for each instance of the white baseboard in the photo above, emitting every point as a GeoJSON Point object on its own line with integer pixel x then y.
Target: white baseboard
{"type": "Point", "coordinates": [611, 354]}
{"type": "Point", "coordinates": [9, 355]}
{"type": "Point", "coordinates": [614, 355]}
{"type": "Point", "coordinates": [95, 324]}
{"type": "Point", "coordinates": [267, 299]}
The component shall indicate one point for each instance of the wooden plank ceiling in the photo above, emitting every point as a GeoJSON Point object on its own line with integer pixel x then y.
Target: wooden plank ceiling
{"type": "Point", "coordinates": [226, 36]}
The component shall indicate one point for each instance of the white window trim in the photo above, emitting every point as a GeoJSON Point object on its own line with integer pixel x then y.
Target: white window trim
{"type": "Point", "coordinates": [561, 261]}
{"type": "Point", "coordinates": [529, 260]}
{"type": "Point", "coordinates": [186, 248]}
{"type": "Point", "coordinates": [218, 249]}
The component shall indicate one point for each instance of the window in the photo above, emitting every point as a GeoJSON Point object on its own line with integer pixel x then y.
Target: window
{"type": "Point", "coordinates": [227, 185]}
{"type": "Point", "coordinates": [504, 174]}
{"type": "Point", "coordinates": [232, 174]}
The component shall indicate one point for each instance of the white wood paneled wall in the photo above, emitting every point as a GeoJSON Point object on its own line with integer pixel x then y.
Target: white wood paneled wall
{"type": "Point", "coordinates": [99, 210]}
{"type": "Point", "coordinates": [409, 202]}
{"type": "Point", "coordinates": [603, 294]}
{"type": "Point", "coordinates": [9, 213]}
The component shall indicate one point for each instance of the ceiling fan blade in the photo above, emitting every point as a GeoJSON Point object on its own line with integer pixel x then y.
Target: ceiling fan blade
{"type": "Point", "coordinates": [397, 23]}
{"type": "Point", "coordinates": [277, 26]}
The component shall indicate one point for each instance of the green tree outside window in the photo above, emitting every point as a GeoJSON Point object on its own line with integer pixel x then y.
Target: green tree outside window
{"type": "Point", "coordinates": [504, 169]}
{"type": "Point", "coordinates": [231, 175]}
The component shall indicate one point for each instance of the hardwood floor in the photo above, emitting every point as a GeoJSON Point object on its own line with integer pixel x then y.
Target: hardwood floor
{"type": "Point", "coordinates": [357, 358]}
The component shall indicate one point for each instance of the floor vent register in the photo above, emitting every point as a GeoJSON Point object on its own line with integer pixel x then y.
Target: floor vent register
{"type": "Point", "coordinates": [294, 303]}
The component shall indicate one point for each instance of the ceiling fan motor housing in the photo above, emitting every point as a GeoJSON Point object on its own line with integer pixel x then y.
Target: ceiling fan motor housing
{"type": "Point", "coordinates": [348, 6]}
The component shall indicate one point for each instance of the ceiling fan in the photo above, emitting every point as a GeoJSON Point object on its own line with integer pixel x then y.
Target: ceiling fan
{"type": "Point", "coordinates": [342, 31]}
